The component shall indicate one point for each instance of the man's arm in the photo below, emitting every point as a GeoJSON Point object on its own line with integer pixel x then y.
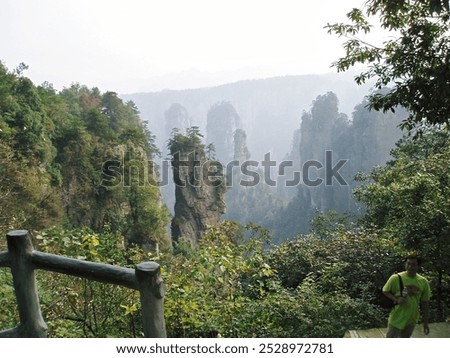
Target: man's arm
{"type": "Point", "coordinates": [398, 300]}
{"type": "Point", "coordinates": [425, 316]}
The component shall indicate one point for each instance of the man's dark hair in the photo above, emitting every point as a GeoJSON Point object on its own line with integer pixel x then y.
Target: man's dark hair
{"type": "Point", "coordinates": [414, 257]}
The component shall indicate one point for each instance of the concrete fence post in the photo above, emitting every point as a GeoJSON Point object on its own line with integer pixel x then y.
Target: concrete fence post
{"type": "Point", "coordinates": [20, 248]}
{"type": "Point", "coordinates": [152, 291]}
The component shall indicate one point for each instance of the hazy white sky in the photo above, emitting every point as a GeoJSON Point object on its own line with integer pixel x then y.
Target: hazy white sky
{"type": "Point", "coordinates": [134, 45]}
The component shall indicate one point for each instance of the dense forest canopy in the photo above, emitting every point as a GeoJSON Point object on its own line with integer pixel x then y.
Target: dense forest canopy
{"type": "Point", "coordinates": [56, 152]}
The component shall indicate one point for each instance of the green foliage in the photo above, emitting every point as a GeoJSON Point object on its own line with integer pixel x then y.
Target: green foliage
{"type": "Point", "coordinates": [363, 259]}
{"type": "Point", "coordinates": [26, 155]}
{"type": "Point", "coordinates": [74, 307]}
{"type": "Point", "coordinates": [9, 315]}
{"type": "Point", "coordinates": [55, 148]}
{"type": "Point", "coordinates": [190, 141]}
{"type": "Point", "coordinates": [325, 226]}
{"type": "Point", "coordinates": [409, 200]}
{"type": "Point", "coordinates": [230, 286]}
{"type": "Point", "coordinates": [409, 197]}
{"type": "Point", "coordinates": [146, 222]}
{"type": "Point", "coordinates": [414, 60]}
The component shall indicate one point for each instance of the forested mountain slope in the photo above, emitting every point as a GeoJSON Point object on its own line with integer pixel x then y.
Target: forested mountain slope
{"type": "Point", "coordinates": [66, 159]}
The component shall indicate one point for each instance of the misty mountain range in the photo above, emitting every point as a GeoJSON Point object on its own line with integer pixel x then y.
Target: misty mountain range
{"type": "Point", "coordinates": [270, 109]}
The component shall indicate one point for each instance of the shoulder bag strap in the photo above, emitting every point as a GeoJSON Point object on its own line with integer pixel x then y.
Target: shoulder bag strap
{"type": "Point", "coordinates": [401, 285]}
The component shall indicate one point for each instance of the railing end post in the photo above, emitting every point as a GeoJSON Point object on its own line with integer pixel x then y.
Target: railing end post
{"type": "Point", "coordinates": [20, 250]}
{"type": "Point", "coordinates": [17, 233]}
{"type": "Point", "coordinates": [152, 291]}
{"type": "Point", "coordinates": [19, 242]}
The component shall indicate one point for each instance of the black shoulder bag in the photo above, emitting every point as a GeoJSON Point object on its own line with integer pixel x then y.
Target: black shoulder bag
{"type": "Point", "coordinates": [387, 303]}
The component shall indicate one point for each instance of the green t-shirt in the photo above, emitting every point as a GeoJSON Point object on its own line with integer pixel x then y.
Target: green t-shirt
{"type": "Point", "coordinates": [418, 291]}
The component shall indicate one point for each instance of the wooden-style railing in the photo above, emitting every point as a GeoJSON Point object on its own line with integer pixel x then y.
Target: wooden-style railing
{"type": "Point", "coordinates": [22, 259]}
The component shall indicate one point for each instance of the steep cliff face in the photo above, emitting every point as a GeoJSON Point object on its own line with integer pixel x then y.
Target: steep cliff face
{"type": "Point", "coordinates": [176, 117]}
{"type": "Point", "coordinates": [322, 130]}
{"type": "Point", "coordinates": [222, 122]}
{"type": "Point", "coordinates": [199, 188]}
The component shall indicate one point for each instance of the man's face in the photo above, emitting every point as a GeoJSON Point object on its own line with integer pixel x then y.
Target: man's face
{"type": "Point", "coordinates": [412, 266]}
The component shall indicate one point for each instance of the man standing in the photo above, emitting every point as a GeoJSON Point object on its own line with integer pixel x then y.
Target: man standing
{"type": "Point", "coordinates": [405, 314]}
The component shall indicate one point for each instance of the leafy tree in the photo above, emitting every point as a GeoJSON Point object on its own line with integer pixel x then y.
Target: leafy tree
{"type": "Point", "coordinates": [27, 197]}
{"type": "Point", "coordinates": [113, 108]}
{"type": "Point", "coordinates": [147, 218]}
{"type": "Point", "coordinates": [408, 199]}
{"type": "Point", "coordinates": [414, 60]}
{"type": "Point", "coordinates": [190, 140]}
{"type": "Point", "coordinates": [97, 122]}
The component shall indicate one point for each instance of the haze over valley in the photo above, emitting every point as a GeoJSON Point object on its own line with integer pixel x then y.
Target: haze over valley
{"type": "Point", "coordinates": [290, 118]}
